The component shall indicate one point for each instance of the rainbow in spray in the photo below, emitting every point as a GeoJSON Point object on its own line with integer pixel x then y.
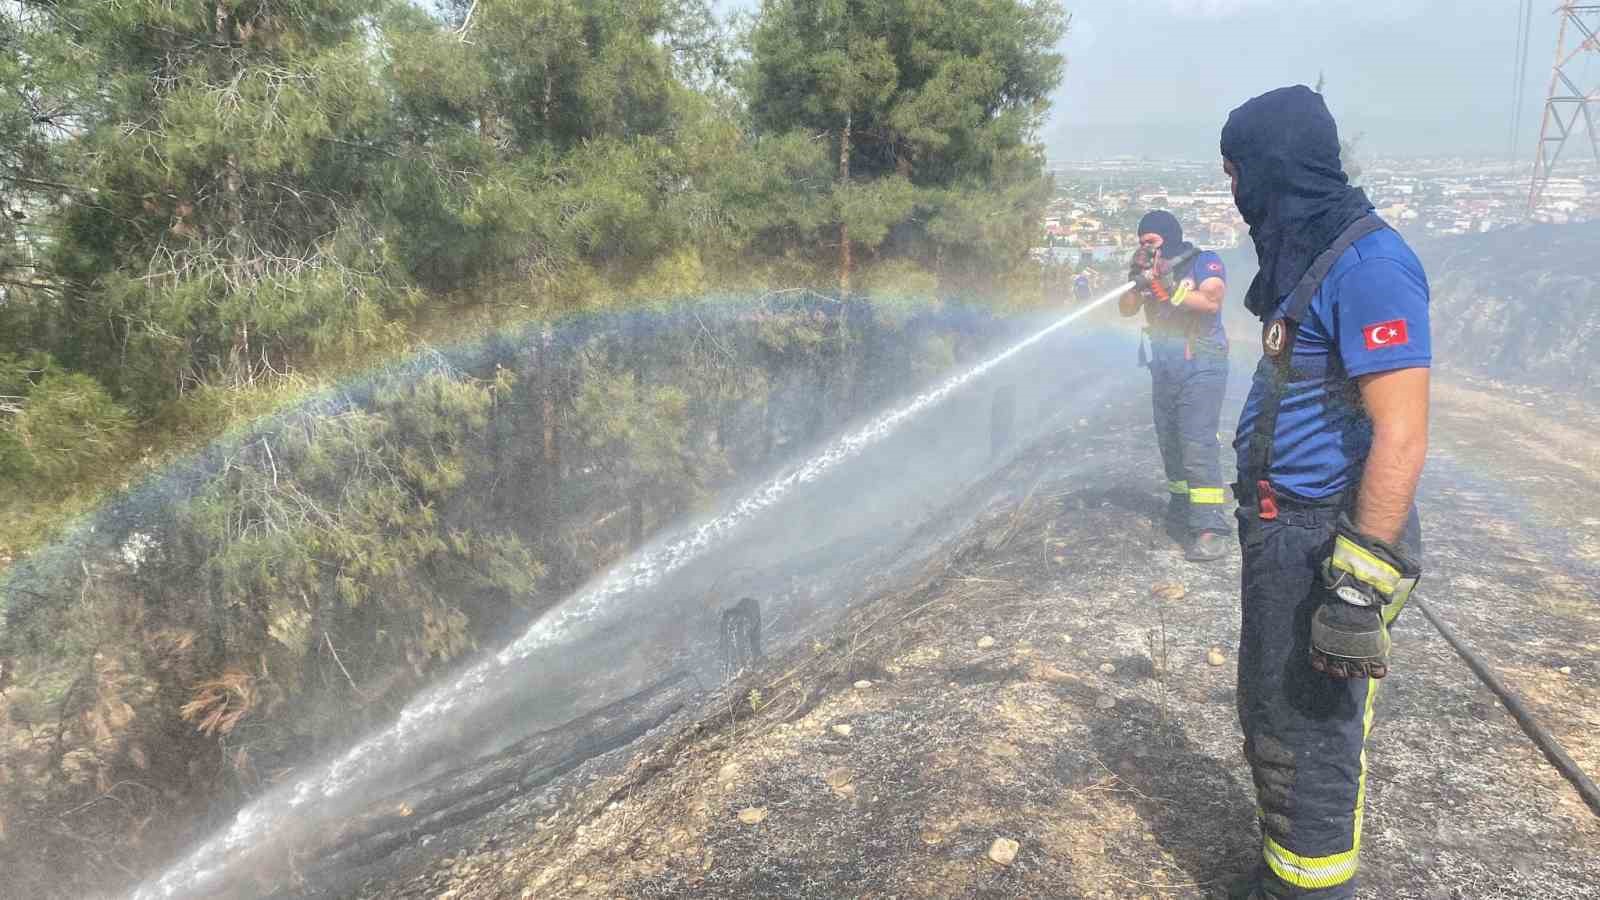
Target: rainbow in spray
{"type": "Point", "coordinates": [370, 760]}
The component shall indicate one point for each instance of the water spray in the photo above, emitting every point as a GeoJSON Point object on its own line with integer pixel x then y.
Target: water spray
{"type": "Point", "coordinates": [647, 568]}
{"type": "Point", "coordinates": [379, 755]}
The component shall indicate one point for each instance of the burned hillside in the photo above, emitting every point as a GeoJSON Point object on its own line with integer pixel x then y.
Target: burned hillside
{"type": "Point", "coordinates": [1519, 305]}
{"type": "Point", "coordinates": [1045, 708]}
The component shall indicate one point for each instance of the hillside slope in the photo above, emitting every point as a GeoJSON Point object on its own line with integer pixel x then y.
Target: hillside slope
{"type": "Point", "coordinates": [1521, 304]}
{"type": "Point", "coordinates": [1045, 679]}
{"type": "Point", "coordinates": [1517, 305]}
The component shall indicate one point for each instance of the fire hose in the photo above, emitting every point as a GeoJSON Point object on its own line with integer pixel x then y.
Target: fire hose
{"type": "Point", "coordinates": [1546, 742]}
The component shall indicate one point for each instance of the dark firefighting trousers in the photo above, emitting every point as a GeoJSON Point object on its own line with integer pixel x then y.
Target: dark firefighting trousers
{"type": "Point", "coordinates": [1187, 394]}
{"type": "Point", "coordinates": [1305, 733]}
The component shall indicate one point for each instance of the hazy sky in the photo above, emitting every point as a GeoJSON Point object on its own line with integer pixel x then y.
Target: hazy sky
{"type": "Point", "coordinates": [1410, 76]}
{"type": "Point", "coordinates": [1157, 77]}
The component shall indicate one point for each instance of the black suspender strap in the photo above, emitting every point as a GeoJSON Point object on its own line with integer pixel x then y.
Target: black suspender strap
{"type": "Point", "coordinates": [1277, 342]}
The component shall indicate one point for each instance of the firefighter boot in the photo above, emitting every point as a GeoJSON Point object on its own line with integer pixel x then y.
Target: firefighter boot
{"type": "Point", "coordinates": [1260, 884]}
{"type": "Point", "coordinates": [1249, 888]}
{"type": "Point", "coordinates": [1208, 546]}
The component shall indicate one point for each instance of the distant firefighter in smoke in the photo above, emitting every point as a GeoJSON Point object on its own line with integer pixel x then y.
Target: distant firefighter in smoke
{"type": "Point", "coordinates": [1180, 289]}
{"type": "Point", "coordinates": [1330, 447]}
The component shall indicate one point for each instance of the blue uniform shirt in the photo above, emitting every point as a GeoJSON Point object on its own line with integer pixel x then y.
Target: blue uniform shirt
{"type": "Point", "coordinates": [1177, 333]}
{"type": "Point", "coordinates": [1370, 315]}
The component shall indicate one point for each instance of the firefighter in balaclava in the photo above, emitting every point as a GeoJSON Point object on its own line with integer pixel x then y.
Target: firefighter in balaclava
{"type": "Point", "coordinates": [1330, 447]}
{"type": "Point", "coordinates": [1180, 290]}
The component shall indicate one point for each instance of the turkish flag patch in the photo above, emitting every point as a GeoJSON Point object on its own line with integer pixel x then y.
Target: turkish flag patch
{"type": "Point", "coordinates": [1386, 334]}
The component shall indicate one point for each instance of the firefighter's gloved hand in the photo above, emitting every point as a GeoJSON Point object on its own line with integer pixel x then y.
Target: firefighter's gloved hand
{"type": "Point", "coordinates": [1369, 582]}
{"type": "Point", "coordinates": [1363, 569]}
{"type": "Point", "coordinates": [1152, 276]}
{"type": "Point", "coordinates": [1139, 269]}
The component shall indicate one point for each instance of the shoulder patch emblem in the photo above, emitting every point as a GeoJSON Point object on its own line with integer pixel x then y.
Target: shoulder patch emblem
{"type": "Point", "coordinates": [1386, 334]}
{"type": "Point", "coordinates": [1272, 339]}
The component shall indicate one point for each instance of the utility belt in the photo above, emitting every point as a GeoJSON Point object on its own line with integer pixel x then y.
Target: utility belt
{"type": "Point", "coordinates": [1193, 348]}
{"type": "Point", "coordinates": [1272, 504]}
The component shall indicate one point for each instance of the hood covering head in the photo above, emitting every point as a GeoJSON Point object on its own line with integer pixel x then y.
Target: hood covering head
{"type": "Point", "coordinates": [1159, 221]}
{"type": "Point", "coordinates": [1292, 190]}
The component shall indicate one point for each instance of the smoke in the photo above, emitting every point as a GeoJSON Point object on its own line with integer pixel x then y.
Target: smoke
{"type": "Point", "coordinates": [803, 542]}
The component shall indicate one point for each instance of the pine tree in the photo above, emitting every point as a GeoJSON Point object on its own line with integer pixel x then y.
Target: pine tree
{"type": "Point", "coordinates": [930, 107]}
{"type": "Point", "coordinates": [212, 227]}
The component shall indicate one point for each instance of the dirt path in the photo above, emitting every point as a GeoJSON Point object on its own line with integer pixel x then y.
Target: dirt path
{"type": "Point", "coordinates": [1047, 681]}
{"type": "Point", "coordinates": [1513, 518]}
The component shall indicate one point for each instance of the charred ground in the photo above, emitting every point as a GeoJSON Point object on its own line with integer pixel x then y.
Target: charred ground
{"type": "Point", "coordinates": [1045, 678]}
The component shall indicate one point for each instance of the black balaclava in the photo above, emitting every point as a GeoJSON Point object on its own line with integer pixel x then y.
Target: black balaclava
{"type": "Point", "coordinates": [1159, 221]}
{"type": "Point", "coordinates": [1292, 191]}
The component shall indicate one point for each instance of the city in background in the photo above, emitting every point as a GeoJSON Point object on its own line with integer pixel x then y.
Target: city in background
{"type": "Point", "coordinates": [1090, 223]}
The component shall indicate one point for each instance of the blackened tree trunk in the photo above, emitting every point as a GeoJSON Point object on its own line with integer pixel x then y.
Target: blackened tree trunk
{"type": "Point", "coordinates": [636, 490]}
{"type": "Point", "coordinates": [844, 228]}
{"type": "Point", "coordinates": [550, 538]}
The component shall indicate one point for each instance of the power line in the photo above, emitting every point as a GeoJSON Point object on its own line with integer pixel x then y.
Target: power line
{"type": "Point", "coordinates": [1516, 81]}
{"type": "Point", "coordinates": [1522, 66]}
{"type": "Point", "coordinates": [1520, 73]}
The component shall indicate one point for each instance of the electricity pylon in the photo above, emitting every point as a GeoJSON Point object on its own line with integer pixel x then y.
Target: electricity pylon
{"type": "Point", "coordinates": [1566, 101]}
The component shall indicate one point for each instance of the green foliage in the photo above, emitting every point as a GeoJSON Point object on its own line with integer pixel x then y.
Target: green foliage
{"type": "Point", "coordinates": [210, 225]}
{"type": "Point", "coordinates": [345, 552]}
{"type": "Point", "coordinates": [937, 355]}
{"type": "Point", "coordinates": [551, 137]}
{"type": "Point", "coordinates": [679, 275]}
{"type": "Point", "coordinates": [933, 90]}
{"type": "Point", "coordinates": [981, 230]}
{"type": "Point", "coordinates": [898, 280]}
{"type": "Point", "coordinates": [943, 99]}
{"type": "Point", "coordinates": [54, 425]}
{"type": "Point", "coordinates": [701, 55]}
{"type": "Point", "coordinates": [871, 208]}
{"type": "Point", "coordinates": [352, 525]}
{"type": "Point", "coordinates": [761, 194]}
{"type": "Point", "coordinates": [790, 337]}
{"type": "Point", "coordinates": [564, 72]}
{"type": "Point", "coordinates": [211, 209]}
{"type": "Point", "coordinates": [640, 433]}
{"type": "Point", "coordinates": [21, 372]}
{"type": "Point", "coordinates": [231, 190]}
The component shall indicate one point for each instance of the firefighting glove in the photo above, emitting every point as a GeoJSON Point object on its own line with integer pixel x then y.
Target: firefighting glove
{"type": "Point", "coordinates": [1156, 277]}
{"type": "Point", "coordinates": [1139, 267]}
{"type": "Point", "coordinates": [1368, 582]}
{"type": "Point", "coordinates": [1152, 275]}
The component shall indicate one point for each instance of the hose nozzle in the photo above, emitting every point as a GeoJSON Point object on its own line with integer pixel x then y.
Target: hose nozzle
{"type": "Point", "coordinates": [1183, 258]}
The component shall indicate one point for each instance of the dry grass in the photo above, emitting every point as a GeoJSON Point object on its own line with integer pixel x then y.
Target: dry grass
{"type": "Point", "coordinates": [220, 703]}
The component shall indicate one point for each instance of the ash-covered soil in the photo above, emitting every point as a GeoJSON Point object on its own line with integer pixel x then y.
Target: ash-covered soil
{"type": "Point", "coordinates": [1058, 676]}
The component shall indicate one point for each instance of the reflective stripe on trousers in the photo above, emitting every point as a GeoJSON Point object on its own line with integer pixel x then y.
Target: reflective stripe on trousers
{"type": "Point", "coordinates": [1187, 398]}
{"type": "Point", "coordinates": [1305, 733]}
{"type": "Point", "coordinates": [1310, 872]}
